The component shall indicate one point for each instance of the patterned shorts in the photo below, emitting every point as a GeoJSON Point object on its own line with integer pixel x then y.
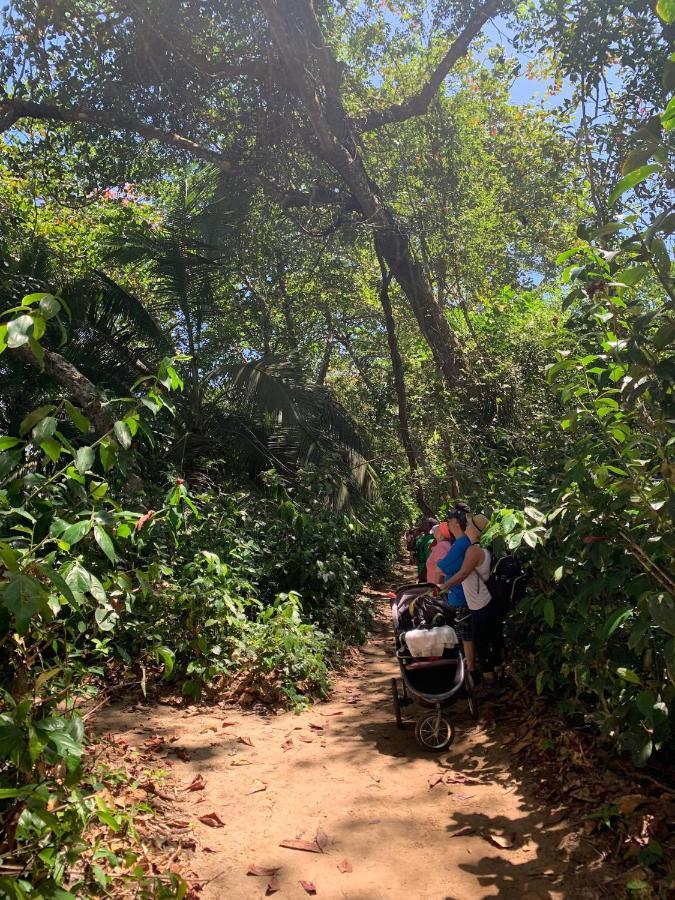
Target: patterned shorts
{"type": "Point", "coordinates": [463, 625]}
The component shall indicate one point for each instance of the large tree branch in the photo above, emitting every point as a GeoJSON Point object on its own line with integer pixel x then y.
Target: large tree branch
{"type": "Point", "coordinates": [13, 110]}
{"type": "Point", "coordinates": [418, 103]}
{"type": "Point", "coordinates": [73, 381]}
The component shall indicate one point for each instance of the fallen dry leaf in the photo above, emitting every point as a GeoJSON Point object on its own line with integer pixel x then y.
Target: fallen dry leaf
{"type": "Point", "coordinates": [464, 832]}
{"type": "Point", "coordinates": [433, 780]}
{"type": "Point", "coordinates": [209, 850]}
{"type": "Point", "coordinates": [332, 712]}
{"type": "Point", "coordinates": [629, 803]}
{"type": "Point", "coordinates": [309, 846]}
{"type": "Point", "coordinates": [245, 740]}
{"type": "Point", "coordinates": [308, 886]}
{"type": "Point", "coordinates": [503, 841]}
{"type": "Point", "coordinates": [239, 761]}
{"type": "Point", "coordinates": [287, 745]}
{"type": "Point", "coordinates": [226, 723]}
{"type": "Point", "coordinates": [256, 787]}
{"type": "Point", "coordinates": [307, 739]}
{"type": "Point", "coordinates": [345, 866]}
{"type": "Point", "coordinates": [316, 726]}
{"type": "Point", "coordinates": [197, 784]}
{"type": "Point", "coordinates": [321, 839]}
{"type": "Point", "coordinates": [272, 885]}
{"type": "Point", "coordinates": [213, 820]}
{"type": "Point", "coordinates": [254, 869]}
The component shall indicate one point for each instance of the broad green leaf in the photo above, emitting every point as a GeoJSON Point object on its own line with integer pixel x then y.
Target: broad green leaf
{"type": "Point", "coordinates": [663, 338]}
{"type": "Point", "coordinates": [7, 442]}
{"type": "Point", "coordinates": [44, 429]}
{"type": "Point", "coordinates": [106, 618]}
{"type": "Point", "coordinates": [79, 420]}
{"type": "Point", "coordinates": [76, 532]}
{"type": "Point", "coordinates": [107, 450]}
{"type": "Point", "coordinates": [21, 596]}
{"type": "Point", "coordinates": [628, 182]}
{"type": "Point", "coordinates": [83, 582]}
{"type": "Point", "coordinates": [35, 416]}
{"type": "Point", "coordinates": [666, 9]}
{"type": "Point", "coordinates": [19, 331]}
{"type": "Point", "coordinates": [84, 459]}
{"type": "Point", "coordinates": [167, 656]}
{"type": "Point", "coordinates": [99, 490]}
{"type": "Point", "coordinates": [628, 675]}
{"type": "Point", "coordinates": [123, 434]}
{"type": "Point", "coordinates": [52, 448]}
{"type": "Point", "coordinates": [104, 541]}
{"type": "Point", "coordinates": [49, 306]}
{"type": "Point", "coordinates": [631, 276]}
{"type": "Point", "coordinates": [637, 158]}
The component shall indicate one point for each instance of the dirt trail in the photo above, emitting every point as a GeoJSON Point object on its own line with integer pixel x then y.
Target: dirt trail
{"type": "Point", "coordinates": [343, 767]}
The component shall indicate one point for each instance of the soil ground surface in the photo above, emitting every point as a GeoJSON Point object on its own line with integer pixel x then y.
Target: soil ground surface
{"type": "Point", "coordinates": [396, 822]}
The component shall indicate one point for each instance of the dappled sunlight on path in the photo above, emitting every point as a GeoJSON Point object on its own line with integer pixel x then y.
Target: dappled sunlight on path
{"type": "Point", "coordinates": [463, 825]}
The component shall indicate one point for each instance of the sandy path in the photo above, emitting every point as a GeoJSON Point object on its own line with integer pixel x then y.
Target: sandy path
{"type": "Point", "coordinates": [366, 785]}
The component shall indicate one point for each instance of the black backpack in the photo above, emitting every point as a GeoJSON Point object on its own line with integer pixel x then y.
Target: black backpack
{"type": "Point", "coordinates": [507, 582]}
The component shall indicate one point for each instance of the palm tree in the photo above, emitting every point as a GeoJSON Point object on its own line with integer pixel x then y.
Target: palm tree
{"type": "Point", "coordinates": [254, 414]}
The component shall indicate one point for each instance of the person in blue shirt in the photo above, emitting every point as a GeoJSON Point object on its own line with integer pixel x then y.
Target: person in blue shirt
{"type": "Point", "coordinates": [449, 566]}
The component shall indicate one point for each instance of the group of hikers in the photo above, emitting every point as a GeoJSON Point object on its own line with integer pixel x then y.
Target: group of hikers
{"type": "Point", "coordinates": [449, 556]}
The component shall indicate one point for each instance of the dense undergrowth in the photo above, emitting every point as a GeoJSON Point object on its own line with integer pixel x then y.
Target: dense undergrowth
{"type": "Point", "coordinates": [257, 587]}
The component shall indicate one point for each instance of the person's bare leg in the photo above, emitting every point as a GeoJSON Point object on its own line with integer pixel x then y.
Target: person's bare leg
{"type": "Point", "coordinates": [470, 655]}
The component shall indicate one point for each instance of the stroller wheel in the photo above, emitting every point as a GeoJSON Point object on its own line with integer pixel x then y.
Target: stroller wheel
{"type": "Point", "coordinates": [397, 703]}
{"type": "Point", "coordinates": [434, 732]}
{"type": "Point", "coordinates": [471, 697]}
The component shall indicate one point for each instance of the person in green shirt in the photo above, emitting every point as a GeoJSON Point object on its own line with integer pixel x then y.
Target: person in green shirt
{"type": "Point", "coordinates": [423, 546]}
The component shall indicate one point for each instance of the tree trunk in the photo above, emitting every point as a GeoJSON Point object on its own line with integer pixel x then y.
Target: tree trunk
{"type": "Point", "coordinates": [401, 392]}
{"type": "Point", "coordinates": [316, 78]}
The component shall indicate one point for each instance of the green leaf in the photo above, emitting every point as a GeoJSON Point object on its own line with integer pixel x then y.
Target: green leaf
{"type": "Point", "coordinates": [19, 331]}
{"type": "Point", "coordinates": [637, 158]}
{"type": "Point", "coordinates": [22, 598]}
{"type": "Point", "coordinates": [104, 541]}
{"type": "Point", "coordinates": [98, 491]}
{"type": "Point", "coordinates": [32, 299]}
{"type": "Point", "coordinates": [76, 532]}
{"type": "Point", "coordinates": [628, 675]}
{"type": "Point", "coordinates": [34, 417]}
{"type": "Point", "coordinates": [49, 306]}
{"type": "Point", "coordinates": [44, 429]}
{"type": "Point", "coordinates": [632, 180]}
{"type": "Point", "coordinates": [52, 448]}
{"type": "Point", "coordinates": [80, 421]}
{"type": "Point", "coordinates": [663, 338]}
{"type": "Point", "coordinates": [83, 582]}
{"type": "Point", "coordinates": [631, 276]}
{"type": "Point", "coordinates": [63, 734]}
{"type": "Point", "coordinates": [107, 451]}
{"type": "Point", "coordinates": [615, 619]}
{"type": "Point", "coordinates": [7, 442]}
{"type": "Point", "coordinates": [106, 618]}
{"type": "Point", "coordinates": [123, 434]}
{"type": "Point", "coordinates": [549, 612]}
{"type": "Point", "coordinates": [58, 581]}
{"type": "Point", "coordinates": [666, 9]}
{"type": "Point", "coordinates": [12, 739]}
{"type": "Point", "coordinates": [84, 459]}
{"type": "Point", "coordinates": [167, 656]}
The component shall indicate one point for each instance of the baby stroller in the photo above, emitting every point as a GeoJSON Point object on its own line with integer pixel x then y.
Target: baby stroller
{"type": "Point", "coordinates": [433, 682]}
